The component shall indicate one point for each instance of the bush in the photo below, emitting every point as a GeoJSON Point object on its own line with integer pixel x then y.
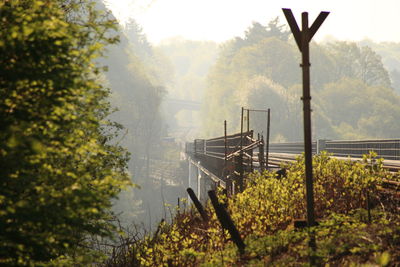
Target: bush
{"type": "Point", "coordinates": [58, 170]}
{"type": "Point", "coordinates": [264, 213]}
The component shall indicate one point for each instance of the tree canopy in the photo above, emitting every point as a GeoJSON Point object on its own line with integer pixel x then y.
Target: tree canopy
{"type": "Point", "coordinates": [351, 87]}
{"type": "Point", "coordinates": [58, 167]}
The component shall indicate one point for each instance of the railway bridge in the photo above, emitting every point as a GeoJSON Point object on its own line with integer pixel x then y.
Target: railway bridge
{"type": "Point", "coordinates": [223, 161]}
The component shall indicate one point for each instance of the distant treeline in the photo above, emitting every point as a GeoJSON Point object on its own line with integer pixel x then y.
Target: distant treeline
{"type": "Point", "coordinates": [353, 91]}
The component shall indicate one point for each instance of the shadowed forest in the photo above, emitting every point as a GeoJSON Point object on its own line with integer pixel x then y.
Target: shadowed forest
{"type": "Point", "coordinates": [94, 120]}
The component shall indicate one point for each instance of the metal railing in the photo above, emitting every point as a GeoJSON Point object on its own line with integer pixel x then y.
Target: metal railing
{"type": "Point", "coordinates": [216, 146]}
{"type": "Point", "coordinates": [385, 148]}
{"type": "Point", "coordinates": [291, 148]}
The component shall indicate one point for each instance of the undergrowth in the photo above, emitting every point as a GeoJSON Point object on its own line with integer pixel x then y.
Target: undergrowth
{"type": "Point", "coordinates": [264, 214]}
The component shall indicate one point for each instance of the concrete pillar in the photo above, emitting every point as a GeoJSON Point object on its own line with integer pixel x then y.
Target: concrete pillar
{"type": "Point", "coordinates": [199, 178]}
{"type": "Point", "coordinates": [189, 179]}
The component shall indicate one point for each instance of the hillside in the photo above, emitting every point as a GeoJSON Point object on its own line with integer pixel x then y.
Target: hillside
{"type": "Point", "coordinates": [264, 214]}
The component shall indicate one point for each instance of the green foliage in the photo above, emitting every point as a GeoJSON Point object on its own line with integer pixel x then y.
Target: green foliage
{"type": "Point", "coordinates": [351, 88]}
{"type": "Point", "coordinates": [58, 168]}
{"type": "Point", "coordinates": [339, 187]}
{"type": "Point", "coordinates": [264, 213]}
{"type": "Point", "coordinates": [137, 75]}
{"type": "Point", "coordinates": [359, 62]}
{"type": "Point", "coordinates": [359, 110]}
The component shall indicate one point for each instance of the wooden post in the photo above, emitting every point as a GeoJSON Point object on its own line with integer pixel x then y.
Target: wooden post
{"type": "Point", "coordinates": [241, 130]}
{"type": "Point", "coordinates": [197, 204]}
{"type": "Point", "coordinates": [248, 120]}
{"type": "Point", "coordinates": [251, 154]}
{"type": "Point", "coordinates": [261, 154]}
{"type": "Point", "coordinates": [307, 118]}
{"type": "Point", "coordinates": [241, 171]}
{"type": "Point", "coordinates": [227, 222]}
{"type": "Point", "coordinates": [225, 143]}
{"type": "Point", "coordinates": [303, 39]}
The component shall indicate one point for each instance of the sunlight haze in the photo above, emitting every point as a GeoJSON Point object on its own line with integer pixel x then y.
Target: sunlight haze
{"type": "Point", "coordinates": [222, 20]}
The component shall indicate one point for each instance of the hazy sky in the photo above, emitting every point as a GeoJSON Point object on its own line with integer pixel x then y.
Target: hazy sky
{"type": "Point", "coordinates": [220, 20]}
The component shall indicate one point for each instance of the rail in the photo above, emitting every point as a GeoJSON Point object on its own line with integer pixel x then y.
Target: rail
{"type": "Point", "coordinates": [388, 149]}
{"type": "Point", "coordinates": [228, 157]}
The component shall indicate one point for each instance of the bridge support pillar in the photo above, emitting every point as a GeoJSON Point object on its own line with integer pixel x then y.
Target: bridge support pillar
{"type": "Point", "coordinates": [190, 178]}
{"type": "Point", "coordinates": [199, 181]}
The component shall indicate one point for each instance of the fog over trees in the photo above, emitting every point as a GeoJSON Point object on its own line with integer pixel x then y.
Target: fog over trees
{"type": "Point", "coordinates": [353, 86]}
{"type": "Point", "coordinates": [94, 117]}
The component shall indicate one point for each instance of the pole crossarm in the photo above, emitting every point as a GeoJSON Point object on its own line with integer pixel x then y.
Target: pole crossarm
{"type": "Point", "coordinates": [317, 23]}
{"type": "Point", "coordinates": [296, 30]}
{"type": "Point", "coordinates": [293, 26]}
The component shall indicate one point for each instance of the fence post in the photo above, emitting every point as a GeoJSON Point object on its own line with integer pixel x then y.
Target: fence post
{"type": "Point", "coordinates": [261, 154]}
{"type": "Point", "coordinates": [241, 130]}
{"type": "Point", "coordinates": [251, 153]}
{"type": "Point", "coordinates": [248, 120]}
{"type": "Point", "coordinates": [225, 143]}
{"type": "Point", "coordinates": [197, 204]}
{"type": "Point", "coordinates": [241, 154]}
{"type": "Point", "coordinates": [227, 222]}
{"type": "Point", "coordinates": [241, 172]}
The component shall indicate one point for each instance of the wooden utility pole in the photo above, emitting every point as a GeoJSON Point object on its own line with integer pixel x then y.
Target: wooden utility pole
{"type": "Point", "coordinates": [241, 171]}
{"type": "Point", "coordinates": [303, 39]}
{"type": "Point", "coordinates": [241, 129]}
{"type": "Point", "coordinates": [225, 143]}
{"type": "Point", "coordinates": [248, 120]}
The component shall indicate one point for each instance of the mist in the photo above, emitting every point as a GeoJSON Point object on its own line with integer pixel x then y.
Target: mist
{"type": "Point", "coordinates": [112, 113]}
{"type": "Point", "coordinates": [177, 90]}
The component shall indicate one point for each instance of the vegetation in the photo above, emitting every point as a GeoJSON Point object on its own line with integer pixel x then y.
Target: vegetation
{"type": "Point", "coordinates": [63, 165]}
{"type": "Point", "coordinates": [59, 168]}
{"type": "Point", "coordinates": [137, 75]}
{"type": "Point", "coordinates": [264, 213]}
{"type": "Point", "coordinates": [351, 87]}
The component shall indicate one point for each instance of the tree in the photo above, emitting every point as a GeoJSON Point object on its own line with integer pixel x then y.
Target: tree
{"type": "Point", "coordinates": [262, 93]}
{"type": "Point", "coordinates": [138, 39]}
{"type": "Point", "coordinates": [395, 78]}
{"type": "Point", "coordinates": [359, 62]}
{"type": "Point", "coordinates": [58, 167]}
{"type": "Point", "coordinates": [357, 110]}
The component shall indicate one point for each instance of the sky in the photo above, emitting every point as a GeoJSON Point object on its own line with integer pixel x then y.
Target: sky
{"type": "Point", "coordinates": [221, 20]}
